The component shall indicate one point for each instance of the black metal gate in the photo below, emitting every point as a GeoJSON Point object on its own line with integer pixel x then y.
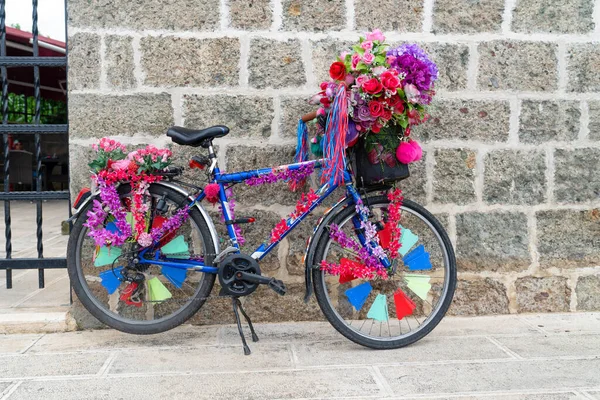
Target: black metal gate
{"type": "Point", "coordinates": [37, 130]}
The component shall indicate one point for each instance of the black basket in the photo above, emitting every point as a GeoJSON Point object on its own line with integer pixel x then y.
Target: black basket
{"type": "Point", "coordinates": [367, 174]}
{"type": "Point", "coordinates": [380, 174]}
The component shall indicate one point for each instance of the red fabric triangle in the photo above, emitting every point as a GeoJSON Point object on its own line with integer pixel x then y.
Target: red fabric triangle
{"type": "Point", "coordinates": [385, 236]}
{"type": "Point", "coordinates": [404, 305]}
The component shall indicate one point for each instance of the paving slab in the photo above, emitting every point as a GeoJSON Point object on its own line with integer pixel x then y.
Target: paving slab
{"type": "Point", "coordinates": [3, 387]}
{"type": "Point", "coordinates": [426, 350]}
{"type": "Point", "coordinates": [519, 396]}
{"type": "Point", "coordinates": [265, 385]}
{"type": "Point", "coordinates": [553, 346]}
{"type": "Point", "coordinates": [15, 344]}
{"type": "Point", "coordinates": [109, 340]}
{"type": "Point", "coordinates": [595, 394]}
{"type": "Point", "coordinates": [483, 325]}
{"type": "Point", "coordinates": [208, 358]}
{"type": "Point", "coordinates": [26, 366]}
{"type": "Point", "coordinates": [566, 323]}
{"type": "Point", "coordinates": [497, 376]}
{"type": "Point", "coordinates": [283, 333]}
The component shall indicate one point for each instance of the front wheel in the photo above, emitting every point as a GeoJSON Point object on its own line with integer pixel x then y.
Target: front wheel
{"type": "Point", "coordinates": [394, 312]}
{"type": "Point", "coordinates": [166, 297]}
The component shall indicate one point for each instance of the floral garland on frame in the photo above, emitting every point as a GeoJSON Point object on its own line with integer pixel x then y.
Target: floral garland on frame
{"type": "Point", "coordinates": [367, 264]}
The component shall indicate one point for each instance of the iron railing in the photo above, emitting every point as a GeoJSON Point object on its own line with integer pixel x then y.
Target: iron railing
{"type": "Point", "coordinates": [38, 196]}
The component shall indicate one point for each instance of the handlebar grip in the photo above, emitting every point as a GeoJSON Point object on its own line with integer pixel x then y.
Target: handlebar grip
{"type": "Point", "coordinates": [309, 117]}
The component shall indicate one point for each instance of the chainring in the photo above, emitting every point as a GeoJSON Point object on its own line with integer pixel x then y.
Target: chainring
{"type": "Point", "coordinates": [231, 285]}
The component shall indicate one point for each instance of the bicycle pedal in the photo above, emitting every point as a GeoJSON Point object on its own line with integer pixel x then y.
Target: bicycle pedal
{"type": "Point", "coordinates": [277, 286]}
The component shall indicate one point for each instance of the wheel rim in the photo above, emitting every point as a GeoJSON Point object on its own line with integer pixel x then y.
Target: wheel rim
{"type": "Point", "coordinates": [393, 329]}
{"type": "Point", "coordinates": [152, 311]}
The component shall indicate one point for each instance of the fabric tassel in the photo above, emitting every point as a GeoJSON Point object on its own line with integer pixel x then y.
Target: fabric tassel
{"type": "Point", "coordinates": [302, 145]}
{"type": "Point", "coordinates": [334, 143]}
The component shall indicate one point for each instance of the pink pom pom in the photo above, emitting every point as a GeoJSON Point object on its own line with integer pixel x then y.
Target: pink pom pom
{"type": "Point", "coordinates": [418, 150]}
{"type": "Point", "coordinates": [405, 153]}
{"type": "Point", "coordinates": [212, 192]}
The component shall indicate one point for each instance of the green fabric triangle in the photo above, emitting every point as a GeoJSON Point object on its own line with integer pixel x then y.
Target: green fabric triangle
{"type": "Point", "coordinates": [419, 284]}
{"type": "Point", "coordinates": [407, 240]}
{"type": "Point", "coordinates": [107, 255]}
{"type": "Point", "coordinates": [176, 246]}
{"type": "Point", "coordinates": [379, 308]}
{"type": "Point", "coordinates": [158, 291]}
{"type": "Point", "coordinates": [130, 220]}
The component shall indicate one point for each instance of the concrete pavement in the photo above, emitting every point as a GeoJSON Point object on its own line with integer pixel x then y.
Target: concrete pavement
{"type": "Point", "coordinates": [26, 307]}
{"type": "Point", "coordinates": [546, 356]}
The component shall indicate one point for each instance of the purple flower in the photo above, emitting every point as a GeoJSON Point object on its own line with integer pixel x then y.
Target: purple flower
{"type": "Point", "coordinates": [363, 114]}
{"type": "Point", "coordinates": [416, 52]}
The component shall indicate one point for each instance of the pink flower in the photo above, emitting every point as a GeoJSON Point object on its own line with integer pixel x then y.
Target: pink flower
{"type": "Point", "coordinates": [349, 79]}
{"type": "Point", "coordinates": [361, 79]}
{"type": "Point", "coordinates": [355, 60]}
{"type": "Point", "coordinates": [367, 45]}
{"type": "Point", "coordinates": [390, 60]}
{"type": "Point", "coordinates": [121, 165]}
{"type": "Point", "coordinates": [368, 58]}
{"type": "Point", "coordinates": [376, 35]}
{"type": "Point", "coordinates": [145, 239]}
{"type": "Point", "coordinates": [412, 93]}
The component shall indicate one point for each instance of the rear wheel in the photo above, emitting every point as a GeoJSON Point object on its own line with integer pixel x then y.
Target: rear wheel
{"type": "Point", "coordinates": [392, 313]}
{"type": "Point", "coordinates": [167, 298]}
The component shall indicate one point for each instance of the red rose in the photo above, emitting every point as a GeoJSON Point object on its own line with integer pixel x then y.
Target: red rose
{"type": "Point", "coordinates": [395, 102]}
{"type": "Point", "coordinates": [337, 71]}
{"type": "Point", "coordinates": [389, 80]}
{"type": "Point", "coordinates": [386, 115]}
{"type": "Point", "coordinates": [376, 127]}
{"type": "Point", "coordinates": [376, 108]}
{"type": "Point", "coordinates": [372, 86]}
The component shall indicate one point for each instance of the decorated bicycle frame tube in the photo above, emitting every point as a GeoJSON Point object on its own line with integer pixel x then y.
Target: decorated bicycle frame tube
{"type": "Point", "coordinates": [292, 222]}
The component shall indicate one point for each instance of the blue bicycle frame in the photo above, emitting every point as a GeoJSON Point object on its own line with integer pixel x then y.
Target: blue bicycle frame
{"type": "Point", "coordinates": [238, 177]}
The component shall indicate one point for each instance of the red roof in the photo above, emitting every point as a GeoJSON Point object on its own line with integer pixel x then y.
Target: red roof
{"type": "Point", "coordinates": [19, 36]}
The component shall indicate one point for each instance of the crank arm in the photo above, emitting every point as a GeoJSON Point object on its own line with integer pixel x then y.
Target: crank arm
{"type": "Point", "coordinates": [276, 285]}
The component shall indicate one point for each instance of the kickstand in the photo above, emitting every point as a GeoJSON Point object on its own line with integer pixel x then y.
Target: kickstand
{"type": "Point", "coordinates": [254, 336]}
{"type": "Point", "coordinates": [239, 325]}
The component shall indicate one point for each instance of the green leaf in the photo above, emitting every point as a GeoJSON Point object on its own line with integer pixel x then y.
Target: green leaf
{"type": "Point", "coordinates": [380, 59]}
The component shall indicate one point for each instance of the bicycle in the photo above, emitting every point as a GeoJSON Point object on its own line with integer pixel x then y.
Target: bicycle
{"type": "Point", "coordinates": [188, 269]}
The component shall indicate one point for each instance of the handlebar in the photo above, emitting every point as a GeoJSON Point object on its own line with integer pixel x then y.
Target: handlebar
{"type": "Point", "coordinates": [309, 117]}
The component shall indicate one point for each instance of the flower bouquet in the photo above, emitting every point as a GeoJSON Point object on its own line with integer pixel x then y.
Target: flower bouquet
{"type": "Point", "coordinates": [375, 94]}
{"type": "Point", "coordinates": [113, 221]}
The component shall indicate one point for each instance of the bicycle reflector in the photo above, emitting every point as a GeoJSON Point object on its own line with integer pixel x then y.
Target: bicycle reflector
{"type": "Point", "coordinates": [199, 162]}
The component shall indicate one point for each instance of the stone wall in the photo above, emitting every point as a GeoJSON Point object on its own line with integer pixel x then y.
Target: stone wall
{"type": "Point", "coordinates": [512, 161]}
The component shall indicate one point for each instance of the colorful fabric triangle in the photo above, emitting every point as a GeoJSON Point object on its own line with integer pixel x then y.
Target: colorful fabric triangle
{"type": "Point", "coordinates": [348, 276]}
{"type": "Point", "coordinates": [175, 275]}
{"type": "Point", "coordinates": [404, 305]}
{"type": "Point", "coordinates": [112, 227]}
{"type": "Point", "coordinates": [407, 240]}
{"type": "Point", "coordinates": [107, 255]}
{"type": "Point", "coordinates": [177, 248]}
{"type": "Point", "coordinates": [419, 284]}
{"type": "Point", "coordinates": [158, 291]}
{"type": "Point", "coordinates": [418, 259]}
{"type": "Point", "coordinates": [379, 309]}
{"type": "Point", "coordinates": [130, 220]}
{"type": "Point", "coordinates": [357, 296]}
{"type": "Point", "coordinates": [110, 279]}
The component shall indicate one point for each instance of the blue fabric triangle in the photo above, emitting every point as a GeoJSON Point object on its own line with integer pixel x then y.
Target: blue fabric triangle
{"type": "Point", "coordinates": [418, 259]}
{"type": "Point", "coordinates": [175, 275]}
{"type": "Point", "coordinates": [110, 280]}
{"type": "Point", "coordinates": [357, 296]}
{"type": "Point", "coordinates": [112, 227]}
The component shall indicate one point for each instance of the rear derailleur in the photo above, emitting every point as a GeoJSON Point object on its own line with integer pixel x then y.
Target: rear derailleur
{"type": "Point", "coordinates": [239, 275]}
